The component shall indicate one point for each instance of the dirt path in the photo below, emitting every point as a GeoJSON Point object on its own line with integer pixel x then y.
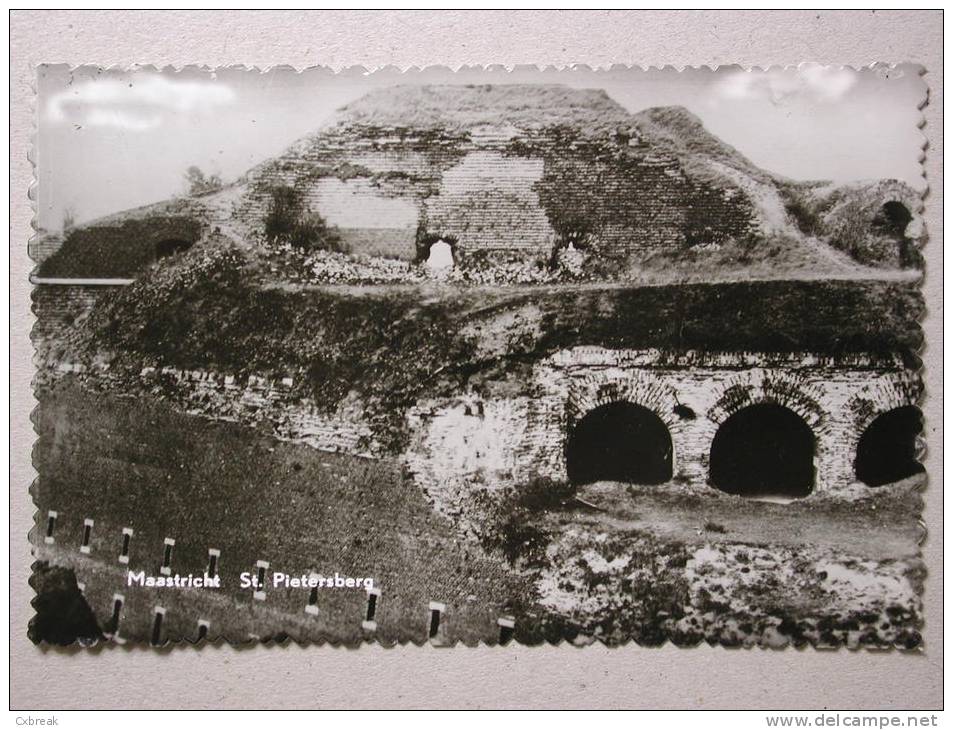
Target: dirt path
{"type": "Point", "coordinates": [848, 268]}
{"type": "Point", "coordinates": [867, 529]}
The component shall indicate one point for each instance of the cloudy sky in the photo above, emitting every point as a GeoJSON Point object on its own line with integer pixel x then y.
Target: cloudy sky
{"type": "Point", "coordinates": [109, 140]}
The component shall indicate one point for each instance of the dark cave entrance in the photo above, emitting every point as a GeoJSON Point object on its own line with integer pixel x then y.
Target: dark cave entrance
{"type": "Point", "coordinates": [891, 221]}
{"type": "Point", "coordinates": [763, 450]}
{"type": "Point", "coordinates": [170, 247]}
{"type": "Point", "coordinates": [621, 442]}
{"type": "Point", "coordinates": [887, 451]}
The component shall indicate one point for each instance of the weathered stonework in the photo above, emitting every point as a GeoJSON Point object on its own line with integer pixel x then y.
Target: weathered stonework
{"type": "Point", "coordinates": [510, 174]}
{"type": "Point", "coordinates": [252, 400]}
{"type": "Point", "coordinates": [495, 193]}
{"type": "Point", "coordinates": [506, 441]}
{"type": "Point", "coordinates": [500, 442]}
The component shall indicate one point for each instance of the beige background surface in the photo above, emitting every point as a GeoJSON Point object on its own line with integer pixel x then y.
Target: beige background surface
{"type": "Point", "coordinates": [296, 677]}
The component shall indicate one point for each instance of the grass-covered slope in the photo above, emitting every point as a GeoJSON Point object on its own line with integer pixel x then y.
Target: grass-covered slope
{"type": "Point", "coordinates": [124, 245]}
{"type": "Point", "coordinates": [677, 130]}
{"type": "Point", "coordinates": [164, 473]}
{"type": "Point", "coordinates": [462, 108]}
{"type": "Point", "coordinates": [393, 345]}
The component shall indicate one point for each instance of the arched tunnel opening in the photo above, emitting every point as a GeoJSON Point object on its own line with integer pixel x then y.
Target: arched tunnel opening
{"type": "Point", "coordinates": [437, 251]}
{"type": "Point", "coordinates": [887, 451]}
{"type": "Point", "coordinates": [440, 255]}
{"type": "Point", "coordinates": [763, 450]}
{"type": "Point", "coordinates": [621, 442]}
{"type": "Point", "coordinates": [893, 219]}
{"type": "Point", "coordinates": [171, 247]}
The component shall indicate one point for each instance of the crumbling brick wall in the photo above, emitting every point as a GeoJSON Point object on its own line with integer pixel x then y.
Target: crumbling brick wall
{"type": "Point", "coordinates": [500, 192]}
{"type": "Point", "coordinates": [500, 441]}
{"type": "Point", "coordinates": [254, 400]}
{"type": "Point", "coordinates": [374, 165]}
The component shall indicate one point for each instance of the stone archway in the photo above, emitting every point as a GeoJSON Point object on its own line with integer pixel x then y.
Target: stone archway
{"type": "Point", "coordinates": [619, 441]}
{"type": "Point", "coordinates": [887, 450]}
{"type": "Point", "coordinates": [893, 219]}
{"type": "Point", "coordinates": [440, 256]}
{"type": "Point", "coordinates": [771, 386]}
{"type": "Point", "coordinates": [763, 450]}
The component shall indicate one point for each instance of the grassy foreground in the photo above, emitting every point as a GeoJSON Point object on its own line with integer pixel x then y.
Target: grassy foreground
{"type": "Point", "coordinates": [138, 464]}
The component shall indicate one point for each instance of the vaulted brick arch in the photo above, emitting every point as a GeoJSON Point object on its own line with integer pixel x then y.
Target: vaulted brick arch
{"type": "Point", "coordinates": [893, 219]}
{"type": "Point", "coordinates": [884, 426]}
{"type": "Point", "coordinates": [619, 441]}
{"type": "Point", "coordinates": [636, 402]}
{"type": "Point", "coordinates": [884, 393]}
{"type": "Point", "coordinates": [771, 386]}
{"type": "Point", "coordinates": [764, 449]}
{"type": "Point", "coordinates": [639, 387]}
{"type": "Point", "coordinates": [896, 203]}
{"type": "Point", "coordinates": [767, 431]}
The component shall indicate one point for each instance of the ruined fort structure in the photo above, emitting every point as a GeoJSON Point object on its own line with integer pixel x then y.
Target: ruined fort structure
{"type": "Point", "coordinates": [513, 173]}
{"type": "Point", "coordinates": [504, 173]}
{"type": "Point", "coordinates": [536, 363]}
{"type": "Point", "coordinates": [693, 419]}
{"type": "Point", "coordinates": [709, 421]}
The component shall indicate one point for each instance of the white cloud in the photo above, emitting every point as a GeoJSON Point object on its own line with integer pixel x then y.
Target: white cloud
{"type": "Point", "coordinates": [818, 83]}
{"type": "Point", "coordinates": [135, 104]}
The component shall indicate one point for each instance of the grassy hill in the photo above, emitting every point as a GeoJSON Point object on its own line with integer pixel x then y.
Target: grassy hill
{"type": "Point", "coordinates": [461, 108]}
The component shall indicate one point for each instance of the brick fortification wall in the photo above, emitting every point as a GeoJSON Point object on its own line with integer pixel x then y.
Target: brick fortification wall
{"type": "Point", "coordinates": [495, 442]}
{"type": "Point", "coordinates": [496, 191]}
{"type": "Point", "coordinates": [512, 439]}
{"type": "Point", "coordinates": [498, 441]}
{"type": "Point", "coordinates": [252, 400]}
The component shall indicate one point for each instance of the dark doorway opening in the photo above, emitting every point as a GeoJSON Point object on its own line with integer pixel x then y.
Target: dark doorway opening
{"type": "Point", "coordinates": [893, 219]}
{"type": "Point", "coordinates": [887, 451]}
{"type": "Point", "coordinates": [764, 450]}
{"type": "Point", "coordinates": [620, 442]}
{"type": "Point", "coordinates": [171, 247]}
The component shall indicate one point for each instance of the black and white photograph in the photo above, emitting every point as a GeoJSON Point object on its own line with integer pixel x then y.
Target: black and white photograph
{"type": "Point", "coordinates": [478, 356]}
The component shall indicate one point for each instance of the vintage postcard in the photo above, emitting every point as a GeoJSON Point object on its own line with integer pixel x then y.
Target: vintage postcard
{"type": "Point", "coordinates": [483, 355]}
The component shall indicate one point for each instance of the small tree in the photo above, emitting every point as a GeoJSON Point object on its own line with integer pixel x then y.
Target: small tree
{"type": "Point", "coordinates": [199, 184]}
{"type": "Point", "coordinates": [69, 218]}
{"type": "Point", "coordinates": [283, 213]}
{"type": "Point", "coordinates": [289, 221]}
